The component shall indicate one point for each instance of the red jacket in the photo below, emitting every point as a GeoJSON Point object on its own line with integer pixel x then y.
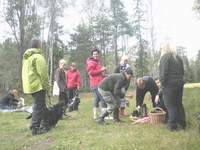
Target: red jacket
{"type": "Point", "coordinates": [73, 79]}
{"type": "Point", "coordinates": [95, 73]}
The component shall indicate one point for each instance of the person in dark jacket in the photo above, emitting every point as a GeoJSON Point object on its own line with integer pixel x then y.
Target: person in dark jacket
{"type": "Point", "coordinates": [61, 82]}
{"type": "Point", "coordinates": [144, 85]}
{"type": "Point", "coordinates": [123, 65]}
{"type": "Point", "coordinates": [171, 73]}
{"type": "Point", "coordinates": [112, 89]}
{"type": "Point", "coordinates": [10, 100]}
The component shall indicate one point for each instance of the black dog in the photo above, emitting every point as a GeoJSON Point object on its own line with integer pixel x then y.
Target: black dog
{"type": "Point", "coordinates": [73, 105]}
{"type": "Point", "coordinates": [53, 114]}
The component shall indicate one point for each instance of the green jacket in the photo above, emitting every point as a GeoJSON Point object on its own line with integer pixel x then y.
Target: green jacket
{"type": "Point", "coordinates": [116, 84]}
{"type": "Point", "coordinates": [34, 71]}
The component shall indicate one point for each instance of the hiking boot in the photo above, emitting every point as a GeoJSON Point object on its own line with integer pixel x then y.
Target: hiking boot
{"type": "Point", "coordinates": [116, 115]}
{"type": "Point", "coordinates": [182, 124]}
{"type": "Point", "coordinates": [43, 130]}
{"type": "Point", "coordinates": [34, 130]}
{"type": "Point", "coordinates": [100, 120]}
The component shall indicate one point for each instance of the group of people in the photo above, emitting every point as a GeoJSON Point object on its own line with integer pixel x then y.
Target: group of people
{"type": "Point", "coordinates": [166, 91]}
{"type": "Point", "coordinates": [109, 90]}
{"type": "Point", "coordinates": [68, 82]}
{"type": "Point", "coordinates": [36, 82]}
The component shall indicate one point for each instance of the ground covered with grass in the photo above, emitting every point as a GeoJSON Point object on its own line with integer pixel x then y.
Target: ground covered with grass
{"type": "Point", "coordinates": [80, 131]}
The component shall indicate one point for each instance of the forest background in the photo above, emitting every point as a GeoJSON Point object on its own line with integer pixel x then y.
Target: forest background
{"type": "Point", "coordinates": [105, 24]}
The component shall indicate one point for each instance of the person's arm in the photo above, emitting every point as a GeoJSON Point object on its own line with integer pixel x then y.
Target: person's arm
{"type": "Point", "coordinates": [41, 69]}
{"type": "Point", "coordinates": [118, 88]}
{"type": "Point", "coordinates": [140, 93]}
{"type": "Point", "coordinates": [78, 80]}
{"type": "Point", "coordinates": [163, 69]}
{"type": "Point", "coordinates": [93, 71]}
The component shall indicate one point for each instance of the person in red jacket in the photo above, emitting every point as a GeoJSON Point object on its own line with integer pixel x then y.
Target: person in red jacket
{"type": "Point", "coordinates": [96, 74]}
{"type": "Point", "coordinates": [73, 81]}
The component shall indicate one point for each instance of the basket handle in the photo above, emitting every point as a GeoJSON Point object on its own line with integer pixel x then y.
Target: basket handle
{"type": "Point", "coordinates": [157, 108]}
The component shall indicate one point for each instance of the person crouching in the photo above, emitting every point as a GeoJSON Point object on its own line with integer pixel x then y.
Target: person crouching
{"type": "Point", "coordinates": [112, 89]}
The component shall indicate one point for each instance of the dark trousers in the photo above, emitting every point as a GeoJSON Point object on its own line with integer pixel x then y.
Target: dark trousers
{"type": "Point", "coordinates": [172, 97]}
{"type": "Point", "coordinates": [71, 93]}
{"type": "Point", "coordinates": [98, 98]}
{"type": "Point", "coordinates": [63, 98]}
{"type": "Point", "coordinates": [39, 108]}
{"type": "Point", "coordinates": [140, 94]}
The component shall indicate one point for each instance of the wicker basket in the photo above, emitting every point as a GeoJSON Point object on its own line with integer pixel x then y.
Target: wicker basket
{"type": "Point", "coordinates": [157, 117]}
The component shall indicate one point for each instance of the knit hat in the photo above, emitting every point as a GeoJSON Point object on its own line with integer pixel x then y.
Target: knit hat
{"type": "Point", "coordinates": [129, 71]}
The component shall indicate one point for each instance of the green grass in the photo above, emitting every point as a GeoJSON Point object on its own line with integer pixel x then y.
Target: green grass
{"type": "Point", "coordinates": [80, 132]}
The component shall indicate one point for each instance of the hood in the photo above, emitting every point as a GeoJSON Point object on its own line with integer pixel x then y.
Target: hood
{"type": "Point", "coordinates": [31, 51]}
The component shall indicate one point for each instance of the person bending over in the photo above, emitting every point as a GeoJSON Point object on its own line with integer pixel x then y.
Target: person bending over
{"type": "Point", "coordinates": [112, 89]}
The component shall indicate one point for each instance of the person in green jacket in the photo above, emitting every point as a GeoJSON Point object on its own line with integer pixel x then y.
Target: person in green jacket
{"type": "Point", "coordinates": [35, 82]}
{"type": "Point", "coordinates": [112, 89]}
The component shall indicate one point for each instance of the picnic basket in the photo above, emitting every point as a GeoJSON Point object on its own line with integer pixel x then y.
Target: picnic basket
{"type": "Point", "coordinates": [157, 115]}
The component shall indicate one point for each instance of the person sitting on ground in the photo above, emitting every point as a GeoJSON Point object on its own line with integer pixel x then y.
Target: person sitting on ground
{"type": "Point", "coordinates": [11, 100]}
{"type": "Point", "coordinates": [112, 89]}
{"type": "Point", "coordinates": [121, 68]}
{"type": "Point", "coordinates": [144, 85]}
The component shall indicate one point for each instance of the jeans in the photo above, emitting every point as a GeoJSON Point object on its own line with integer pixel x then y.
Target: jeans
{"type": "Point", "coordinates": [98, 98]}
{"type": "Point", "coordinates": [111, 101]}
{"type": "Point", "coordinates": [71, 93]}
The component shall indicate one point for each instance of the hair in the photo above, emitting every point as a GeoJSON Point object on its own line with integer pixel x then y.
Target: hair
{"type": "Point", "coordinates": [95, 50]}
{"type": "Point", "coordinates": [14, 91]}
{"type": "Point", "coordinates": [168, 47]}
{"type": "Point", "coordinates": [35, 43]}
{"type": "Point", "coordinates": [129, 71]}
{"type": "Point", "coordinates": [157, 78]}
{"type": "Point", "coordinates": [123, 58]}
{"type": "Point", "coordinates": [140, 83]}
{"type": "Point", "coordinates": [62, 61]}
{"type": "Point", "coordinates": [73, 64]}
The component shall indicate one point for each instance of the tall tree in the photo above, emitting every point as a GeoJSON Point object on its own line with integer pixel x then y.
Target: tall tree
{"type": "Point", "coordinates": [21, 16]}
{"type": "Point", "coordinates": [142, 44]}
{"type": "Point", "coordinates": [54, 11]}
{"type": "Point", "coordinates": [79, 50]}
{"type": "Point", "coordinates": [9, 61]}
{"type": "Point", "coordinates": [119, 23]}
{"type": "Point", "coordinates": [197, 67]}
{"type": "Point", "coordinates": [102, 30]}
{"type": "Point", "coordinates": [152, 42]}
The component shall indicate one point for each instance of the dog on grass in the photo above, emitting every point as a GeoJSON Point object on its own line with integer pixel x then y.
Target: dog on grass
{"type": "Point", "coordinates": [53, 114]}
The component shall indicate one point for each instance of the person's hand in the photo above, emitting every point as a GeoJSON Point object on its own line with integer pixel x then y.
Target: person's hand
{"type": "Point", "coordinates": [103, 68]}
{"type": "Point", "coordinates": [129, 96]}
{"type": "Point", "coordinates": [157, 99]}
